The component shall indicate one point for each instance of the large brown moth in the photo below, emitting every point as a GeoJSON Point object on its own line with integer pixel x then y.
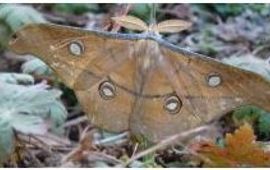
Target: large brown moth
{"type": "Point", "coordinates": [140, 82]}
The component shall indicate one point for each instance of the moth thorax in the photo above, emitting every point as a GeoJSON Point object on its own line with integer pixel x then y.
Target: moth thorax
{"type": "Point", "coordinates": [152, 30]}
{"type": "Point", "coordinates": [147, 62]}
{"type": "Point", "coordinates": [153, 54]}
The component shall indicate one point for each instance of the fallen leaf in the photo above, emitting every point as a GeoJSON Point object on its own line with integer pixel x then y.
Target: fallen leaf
{"type": "Point", "coordinates": [240, 150]}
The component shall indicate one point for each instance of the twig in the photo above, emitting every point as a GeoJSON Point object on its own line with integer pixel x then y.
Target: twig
{"type": "Point", "coordinates": [135, 149]}
{"type": "Point", "coordinates": [34, 141]}
{"type": "Point", "coordinates": [111, 139]}
{"type": "Point", "coordinates": [116, 27]}
{"type": "Point", "coordinates": [75, 121]}
{"type": "Point", "coordinates": [166, 142]}
{"type": "Point", "coordinates": [56, 139]}
{"type": "Point", "coordinates": [94, 156]}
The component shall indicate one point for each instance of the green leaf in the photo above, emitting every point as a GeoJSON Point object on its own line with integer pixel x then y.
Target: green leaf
{"type": "Point", "coordinates": [246, 114]}
{"type": "Point", "coordinates": [34, 100]}
{"type": "Point", "coordinates": [6, 139]}
{"type": "Point", "coordinates": [141, 11]}
{"type": "Point", "coordinates": [77, 9]}
{"type": "Point", "coordinates": [16, 78]}
{"type": "Point", "coordinates": [16, 16]}
{"type": "Point", "coordinates": [4, 35]}
{"type": "Point", "coordinates": [264, 125]}
{"type": "Point", "coordinates": [32, 109]}
{"type": "Point", "coordinates": [13, 17]}
{"type": "Point", "coordinates": [259, 118]}
{"type": "Point", "coordinates": [36, 66]}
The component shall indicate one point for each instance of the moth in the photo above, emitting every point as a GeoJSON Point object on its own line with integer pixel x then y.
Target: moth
{"type": "Point", "coordinates": [140, 82]}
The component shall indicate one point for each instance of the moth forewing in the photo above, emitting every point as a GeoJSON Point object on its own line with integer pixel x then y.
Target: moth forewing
{"type": "Point", "coordinates": [112, 55]}
{"type": "Point", "coordinates": [178, 83]}
{"type": "Point", "coordinates": [229, 93]}
{"type": "Point", "coordinates": [130, 22]}
{"type": "Point", "coordinates": [172, 26]}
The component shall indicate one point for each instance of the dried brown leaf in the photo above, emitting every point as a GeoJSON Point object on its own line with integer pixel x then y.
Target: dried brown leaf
{"type": "Point", "coordinates": [130, 22]}
{"type": "Point", "coordinates": [172, 26]}
{"type": "Point", "coordinates": [241, 150]}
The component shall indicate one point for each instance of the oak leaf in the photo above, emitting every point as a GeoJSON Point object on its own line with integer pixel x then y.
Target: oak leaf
{"type": "Point", "coordinates": [240, 150]}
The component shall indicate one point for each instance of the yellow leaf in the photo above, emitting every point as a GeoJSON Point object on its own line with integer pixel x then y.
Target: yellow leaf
{"type": "Point", "coordinates": [172, 26]}
{"type": "Point", "coordinates": [130, 22]}
{"type": "Point", "coordinates": [241, 150]}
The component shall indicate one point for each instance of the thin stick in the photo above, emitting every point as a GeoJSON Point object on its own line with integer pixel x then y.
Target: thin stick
{"type": "Point", "coordinates": [103, 157]}
{"type": "Point", "coordinates": [75, 121]}
{"type": "Point", "coordinates": [135, 149]}
{"type": "Point", "coordinates": [111, 139]}
{"type": "Point", "coordinates": [125, 9]}
{"type": "Point", "coordinates": [167, 141]}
